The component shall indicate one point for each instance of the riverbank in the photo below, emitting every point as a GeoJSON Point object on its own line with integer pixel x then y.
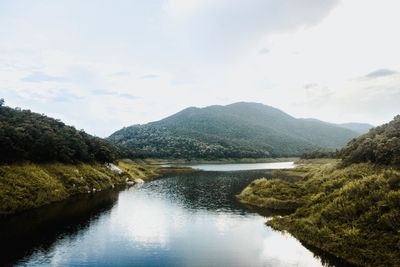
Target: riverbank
{"type": "Point", "coordinates": [27, 185]}
{"type": "Point", "coordinates": [217, 161]}
{"type": "Point", "coordinates": [351, 212]}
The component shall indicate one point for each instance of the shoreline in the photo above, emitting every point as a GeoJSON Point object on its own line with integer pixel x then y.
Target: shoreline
{"type": "Point", "coordinates": [26, 185]}
{"type": "Point", "coordinates": [331, 204]}
{"type": "Point", "coordinates": [217, 161]}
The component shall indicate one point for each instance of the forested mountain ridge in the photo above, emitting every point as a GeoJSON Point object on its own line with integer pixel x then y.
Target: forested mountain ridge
{"type": "Point", "coordinates": [239, 130]}
{"type": "Point", "coordinates": [25, 135]}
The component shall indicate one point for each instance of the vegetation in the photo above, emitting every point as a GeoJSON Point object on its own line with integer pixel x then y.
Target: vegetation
{"type": "Point", "coordinates": [380, 145]}
{"type": "Point", "coordinates": [43, 160]}
{"type": "Point", "coordinates": [319, 154]}
{"type": "Point", "coordinates": [28, 185]}
{"type": "Point", "coordinates": [350, 209]}
{"type": "Point", "coordinates": [215, 161]}
{"type": "Point", "coordinates": [25, 135]}
{"type": "Point", "coordinates": [241, 130]}
{"type": "Point", "coordinates": [148, 172]}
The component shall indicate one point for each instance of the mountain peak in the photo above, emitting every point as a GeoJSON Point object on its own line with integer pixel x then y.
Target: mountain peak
{"type": "Point", "coordinates": [238, 130]}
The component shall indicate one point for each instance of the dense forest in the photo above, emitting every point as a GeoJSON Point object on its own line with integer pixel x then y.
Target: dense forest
{"type": "Point", "coordinates": [25, 135]}
{"type": "Point", "coordinates": [240, 130]}
{"type": "Point", "coordinates": [319, 154]}
{"type": "Point", "coordinates": [380, 145]}
{"type": "Point", "coordinates": [350, 209]}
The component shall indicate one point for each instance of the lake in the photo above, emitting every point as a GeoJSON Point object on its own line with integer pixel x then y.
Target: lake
{"type": "Point", "coordinates": [187, 220]}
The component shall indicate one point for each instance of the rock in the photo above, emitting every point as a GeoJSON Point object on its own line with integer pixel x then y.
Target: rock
{"type": "Point", "coordinates": [130, 182]}
{"type": "Point", "coordinates": [139, 181]}
{"type": "Point", "coordinates": [114, 168]}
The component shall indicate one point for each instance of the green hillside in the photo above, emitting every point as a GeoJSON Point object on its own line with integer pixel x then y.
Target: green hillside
{"type": "Point", "coordinates": [240, 130]}
{"type": "Point", "coordinates": [380, 145]}
{"type": "Point", "coordinates": [25, 135]}
{"type": "Point", "coordinates": [43, 160]}
{"type": "Point", "coordinates": [351, 209]}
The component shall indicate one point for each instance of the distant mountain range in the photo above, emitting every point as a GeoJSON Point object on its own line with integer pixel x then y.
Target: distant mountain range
{"type": "Point", "coordinates": [360, 128]}
{"type": "Point", "coordinates": [239, 130]}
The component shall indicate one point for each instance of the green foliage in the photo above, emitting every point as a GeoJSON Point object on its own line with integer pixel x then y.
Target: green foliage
{"type": "Point", "coordinates": [380, 145]}
{"type": "Point", "coordinates": [272, 194]}
{"type": "Point", "coordinates": [319, 154]}
{"type": "Point", "coordinates": [351, 212]}
{"type": "Point", "coordinates": [352, 209]}
{"type": "Point", "coordinates": [241, 130]}
{"type": "Point", "coordinates": [25, 135]}
{"type": "Point", "coordinates": [28, 185]}
{"type": "Point", "coordinates": [148, 172]}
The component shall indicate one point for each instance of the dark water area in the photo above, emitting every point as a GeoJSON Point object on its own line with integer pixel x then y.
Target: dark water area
{"type": "Point", "coordinates": [188, 220]}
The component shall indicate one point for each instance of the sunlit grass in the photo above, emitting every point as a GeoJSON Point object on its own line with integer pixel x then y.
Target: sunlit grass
{"type": "Point", "coordinates": [351, 212]}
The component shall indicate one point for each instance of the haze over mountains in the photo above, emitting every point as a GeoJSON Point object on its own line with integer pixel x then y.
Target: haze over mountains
{"type": "Point", "coordinates": [239, 130]}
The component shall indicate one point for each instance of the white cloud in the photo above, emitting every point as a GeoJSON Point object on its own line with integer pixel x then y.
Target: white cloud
{"type": "Point", "coordinates": [157, 58]}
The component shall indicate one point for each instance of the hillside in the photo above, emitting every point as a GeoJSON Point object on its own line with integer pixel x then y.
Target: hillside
{"type": "Point", "coordinates": [355, 203]}
{"type": "Point", "coordinates": [25, 135]}
{"type": "Point", "coordinates": [360, 128]}
{"type": "Point", "coordinates": [43, 160]}
{"type": "Point", "coordinates": [380, 145]}
{"type": "Point", "coordinates": [240, 130]}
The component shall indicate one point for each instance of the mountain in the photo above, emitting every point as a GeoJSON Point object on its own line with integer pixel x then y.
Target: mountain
{"type": "Point", "coordinates": [239, 130]}
{"type": "Point", "coordinates": [28, 136]}
{"type": "Point", "coordinates": [360, 128]}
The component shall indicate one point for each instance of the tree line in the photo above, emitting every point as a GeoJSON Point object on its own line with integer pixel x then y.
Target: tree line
{"type": "Point", "coordinates": [381, 145]}
{"type": "Point", "coordinates": [25, 135]}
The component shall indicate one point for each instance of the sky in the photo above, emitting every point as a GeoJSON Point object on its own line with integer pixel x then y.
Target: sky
{"type": "Point", "coordinates": [101, 65]}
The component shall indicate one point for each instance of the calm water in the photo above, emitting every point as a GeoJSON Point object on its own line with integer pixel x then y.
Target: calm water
{"type": "Point", "coordinates": [240, 166]}
{"type": "Point", "coordinates": [190, 220]}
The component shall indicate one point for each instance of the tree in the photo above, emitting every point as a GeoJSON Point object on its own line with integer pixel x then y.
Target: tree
{"type": "Point", "coordinates": [1, 102]}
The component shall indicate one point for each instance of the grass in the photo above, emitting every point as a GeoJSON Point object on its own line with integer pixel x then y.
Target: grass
{"type": "Point", "coordinates": [351, 212]}
{"type": "Point", "coordinates": [313, 162]}
{"type": "Point", "coordinates": [148, 172]}
{"type": "Point", "coordinates": [27, 185]}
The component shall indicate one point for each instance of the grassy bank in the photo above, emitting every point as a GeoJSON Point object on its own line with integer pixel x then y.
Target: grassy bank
{"type": "Point", "coordinates": [352, 212]}
{"type": "Point", "coordinates": [27, 185]}
{"type": "Point", "coordinates": [218, 161]}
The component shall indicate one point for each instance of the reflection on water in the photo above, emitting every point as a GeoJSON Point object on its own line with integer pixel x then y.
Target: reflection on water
{"type": "Point", "coordinates": [190, 220]}
{"type": "Point", "coordinates": [37, 230]}
{"type": "Point", "coordinates": [239, 166]}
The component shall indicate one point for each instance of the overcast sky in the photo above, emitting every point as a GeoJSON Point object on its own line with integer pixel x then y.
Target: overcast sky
{"type": "Point", "coordinates": [102, 65]}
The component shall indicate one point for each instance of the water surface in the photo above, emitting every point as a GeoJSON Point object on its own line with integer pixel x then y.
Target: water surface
{"type": "Point", "coordinates": [239, 166]}
{"type": "Point", "coordinates": [190, 220]}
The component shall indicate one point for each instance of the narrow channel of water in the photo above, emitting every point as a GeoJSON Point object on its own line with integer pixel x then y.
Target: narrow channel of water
{"type": "Point", "coordinates": [239, 166]}
{"type": "Point", "coordinates": [188, 220]}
